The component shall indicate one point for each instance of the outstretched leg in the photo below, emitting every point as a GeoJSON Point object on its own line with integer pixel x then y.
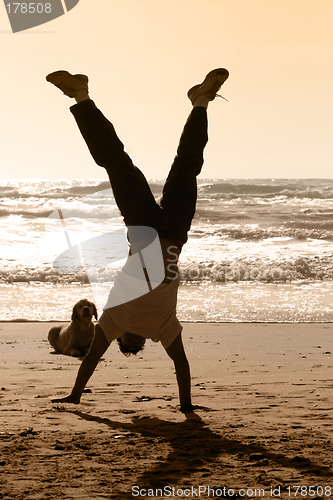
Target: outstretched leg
{"type": "Point", "coordinates": [130, 188]}
{"type": "Point", "coordinates": [180, 189]}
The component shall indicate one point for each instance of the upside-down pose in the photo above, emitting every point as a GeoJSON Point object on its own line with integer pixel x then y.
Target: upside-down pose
{"type": "Point", "coordinates": [142, 303]}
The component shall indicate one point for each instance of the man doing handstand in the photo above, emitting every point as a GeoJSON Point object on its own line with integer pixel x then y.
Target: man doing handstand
{"type": "Point", "coordinates": [130, 315]}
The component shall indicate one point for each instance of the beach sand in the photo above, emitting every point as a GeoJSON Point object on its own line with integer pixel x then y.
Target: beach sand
{"type": "Point", "coordinates": [265, 424]}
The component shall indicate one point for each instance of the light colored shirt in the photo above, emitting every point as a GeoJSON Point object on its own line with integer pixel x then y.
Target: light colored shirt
{"type": "Point", "coordinates": [151, 315]}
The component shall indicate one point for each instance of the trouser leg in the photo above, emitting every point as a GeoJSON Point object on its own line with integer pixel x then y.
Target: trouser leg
{"type": "Point", "coordinates": [180, 189]}
{"type": "Point", "coordinates": [130, 188]}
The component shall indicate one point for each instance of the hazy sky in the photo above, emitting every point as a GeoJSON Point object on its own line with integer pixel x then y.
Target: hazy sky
{"type": "Point", "coordinates": [143, 55]}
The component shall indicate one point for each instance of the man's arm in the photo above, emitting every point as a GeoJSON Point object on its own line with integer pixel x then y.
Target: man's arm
{"type": "Point", "coordinates": [98, 347]}
{"type": "Point", "coordinates": [178, 356]}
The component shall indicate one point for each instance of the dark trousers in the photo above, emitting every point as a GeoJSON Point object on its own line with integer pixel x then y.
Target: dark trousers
{"type": "Point", "coordinates": [173, 215]}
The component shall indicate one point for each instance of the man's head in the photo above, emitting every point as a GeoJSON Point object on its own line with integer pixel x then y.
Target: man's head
{"type": "Point", "coordinates": [130, 343]}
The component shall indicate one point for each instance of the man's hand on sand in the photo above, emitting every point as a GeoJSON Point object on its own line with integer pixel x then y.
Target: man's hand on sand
{"type": "Point", "coordinates": [67, 399]}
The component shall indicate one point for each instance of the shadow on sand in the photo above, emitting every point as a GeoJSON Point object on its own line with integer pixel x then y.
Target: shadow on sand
{"type": "Point", "coordinates": [194, 446]}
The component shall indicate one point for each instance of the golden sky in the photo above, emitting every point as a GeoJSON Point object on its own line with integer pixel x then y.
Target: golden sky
{"type": "Point", "coordinates": [142, 56]}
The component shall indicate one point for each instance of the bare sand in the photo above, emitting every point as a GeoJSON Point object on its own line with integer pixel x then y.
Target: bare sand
{"type": "Point", "coordinates": [264, 429]}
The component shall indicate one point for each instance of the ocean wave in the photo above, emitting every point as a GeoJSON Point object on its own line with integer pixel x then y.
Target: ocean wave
{"type": "Point", "coordinates": [84, 190]}
{"type": "Point", "coordinates": [258, 271]}
{"type": "Point", "coordinates": [214, 271]}
{"type": "Point", "coordinates": [311, 225]}
{"type": "Point", "coordinates": [301, 189]}
{"type": "Point", "coordinates": [9, 192]}
{"type": "Point", "coordinates": [55, 276]}
{"type": "Point", "coordinates": [28, 214]}
{"type": "Point", "coordinates": [53, 189]}
{"type": "Point", "coordinates": [294, 232]}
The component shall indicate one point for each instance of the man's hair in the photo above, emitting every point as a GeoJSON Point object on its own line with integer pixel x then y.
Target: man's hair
{"type": "Point", "coordinates": [126, 351]}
